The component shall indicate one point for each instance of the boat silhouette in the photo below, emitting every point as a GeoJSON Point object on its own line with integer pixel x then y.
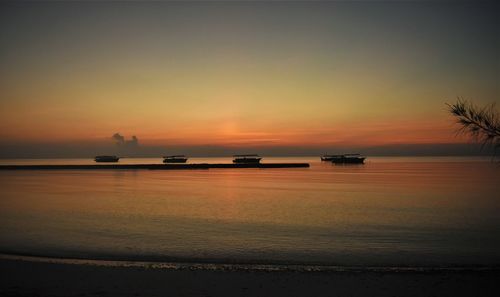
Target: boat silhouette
{"type": "Point", "coordinates": [106, 159]}
{"type": "Point", "coordinates": [245, 159]}
{"type": "Point", "coordinates": [344, 159]}
{"type": "Point", "coordinates": [175, 159]}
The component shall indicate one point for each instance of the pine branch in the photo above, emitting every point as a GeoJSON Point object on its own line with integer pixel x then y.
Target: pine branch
{"type": "Point", "coordinates": [483, 124]}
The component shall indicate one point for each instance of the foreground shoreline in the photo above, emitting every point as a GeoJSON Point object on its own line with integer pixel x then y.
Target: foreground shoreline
{"type": "Point", "coordinates": [234, 265]}
{"type": "Point", "coordinates": [29, 277]}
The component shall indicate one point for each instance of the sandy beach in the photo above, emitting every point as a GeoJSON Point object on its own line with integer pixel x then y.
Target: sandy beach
{"type": "Point", "coordinates": [29, 278]}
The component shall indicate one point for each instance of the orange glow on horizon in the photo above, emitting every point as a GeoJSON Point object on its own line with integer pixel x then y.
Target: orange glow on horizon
{"type": "Point", "coordinates": [230, 133]}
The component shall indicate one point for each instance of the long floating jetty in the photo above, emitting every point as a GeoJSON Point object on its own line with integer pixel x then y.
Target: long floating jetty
{"type": "Point", "coordinates": [151, 166]}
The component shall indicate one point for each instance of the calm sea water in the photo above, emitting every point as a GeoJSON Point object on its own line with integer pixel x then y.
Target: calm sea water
{"type": "Point", "coordinates": [388, 212]}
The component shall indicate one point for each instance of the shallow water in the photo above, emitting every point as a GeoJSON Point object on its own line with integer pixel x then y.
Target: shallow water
{"type": "Point", "coordinates": [388, 212]}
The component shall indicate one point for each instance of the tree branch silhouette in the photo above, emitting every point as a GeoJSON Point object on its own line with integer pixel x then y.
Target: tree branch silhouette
{"type": "Point", "coordinates": [482, 123]}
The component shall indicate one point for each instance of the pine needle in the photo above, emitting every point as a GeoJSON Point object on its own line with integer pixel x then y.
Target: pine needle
{"type": "Point", "coordinates": [481, 123]}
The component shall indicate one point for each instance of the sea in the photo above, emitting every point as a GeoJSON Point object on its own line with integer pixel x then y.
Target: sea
{"type": "Point", "coordinates": [390, 212]}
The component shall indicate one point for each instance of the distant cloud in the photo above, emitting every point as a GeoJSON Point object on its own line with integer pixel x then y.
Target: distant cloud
{"type": "Point", "coordinates": [134, 142]}
{"type": "Point", "coordinates": [120, 141]}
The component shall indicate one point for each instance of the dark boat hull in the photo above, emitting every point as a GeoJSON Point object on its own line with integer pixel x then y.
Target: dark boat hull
{"type": "Point", "coordinates": [106, 159]}
{"type": "Point", "coordinates": [247, 161]}
{"type": "Point", "coordinates": [175, 160]}
{"type": "Point", "coordinates": [360, 160]}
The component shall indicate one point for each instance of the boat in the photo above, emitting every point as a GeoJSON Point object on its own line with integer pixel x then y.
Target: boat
{"type": "Point", "coordinates": [346, 159]}
{"type": "Point", "coordinates": [327, 157]}
{"type": "Point", "coordinates": [245, 159]}
{"type": "Point", "coordinates": [175, 159]}
{"type": "Point", "coordinates": [106, 159]}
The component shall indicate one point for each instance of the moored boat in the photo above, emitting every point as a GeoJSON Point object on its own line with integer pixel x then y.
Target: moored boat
{"type": "Point", "coordinates": [175, 159]}
{"type": "Point", "coordinates": [245, 159]}
{"type": "Point", "coordinates": [106, 159]}
{"type": "Point", "coordinates": [347, 159]}
{"type": "Point", "coordinates": [327, 157]}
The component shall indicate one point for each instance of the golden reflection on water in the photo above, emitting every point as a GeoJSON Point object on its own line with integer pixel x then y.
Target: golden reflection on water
{"type": "Point", "coordinates": [162, 211]}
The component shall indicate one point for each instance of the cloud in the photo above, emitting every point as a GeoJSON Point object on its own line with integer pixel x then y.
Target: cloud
{"type": "Point", "coordinates": [119, 139]}
{"type": "Point", "coordinates": [122, 142]}
{"type": "Point", "coordinates": [134, 142]}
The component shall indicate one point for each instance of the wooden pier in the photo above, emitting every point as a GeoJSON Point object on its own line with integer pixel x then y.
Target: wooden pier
{"type": "Point", "coordinates": [152, 166]}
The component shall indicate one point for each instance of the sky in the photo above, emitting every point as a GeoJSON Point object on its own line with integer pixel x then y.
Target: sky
{"type": "Point", "coordinates": [213, 78]}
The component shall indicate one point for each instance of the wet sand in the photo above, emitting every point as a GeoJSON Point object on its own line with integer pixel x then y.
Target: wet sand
{"type": "Point", "coordinates": [27, 278]}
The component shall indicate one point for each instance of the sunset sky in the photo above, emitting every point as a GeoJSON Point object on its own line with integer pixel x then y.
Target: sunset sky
{"type": "Point", "coordinates": [242, 75]}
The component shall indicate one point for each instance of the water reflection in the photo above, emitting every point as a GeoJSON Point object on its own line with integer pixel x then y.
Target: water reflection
{"type": "Point", "coordinates": [385, 212]}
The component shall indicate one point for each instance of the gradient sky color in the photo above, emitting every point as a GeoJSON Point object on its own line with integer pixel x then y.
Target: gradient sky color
{"type": "Point", "coordinates": [243, 74]}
